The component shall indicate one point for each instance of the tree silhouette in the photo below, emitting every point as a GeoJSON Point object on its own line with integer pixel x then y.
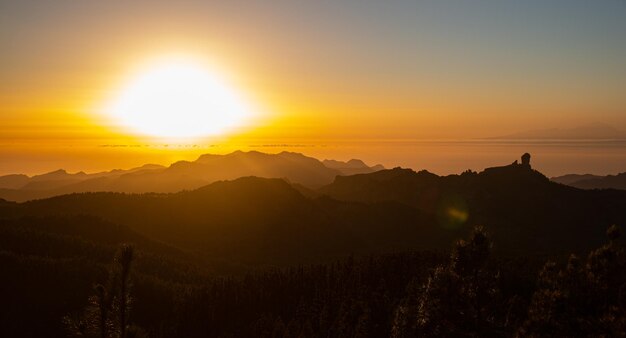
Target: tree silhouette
{"type": "Point", "coordinates": [458, 299]}
{"type": "Point", "coordinates": [103, 302]}
{"type": "Point", "coordinates": [107, 313]}
{"type": "Point", "coordinates": [121, 280]}
{"type": "Point", "coordinates": [582, 299]}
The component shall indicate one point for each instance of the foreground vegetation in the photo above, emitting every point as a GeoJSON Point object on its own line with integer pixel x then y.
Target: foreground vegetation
{"type": "Point", "coordinates": [258, 257]}
{"type": "Point", "coordinates": [470, 292]}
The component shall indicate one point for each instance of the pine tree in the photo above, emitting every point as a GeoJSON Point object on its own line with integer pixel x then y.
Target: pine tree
{"type": "Point", "coordinates": [582, 299]}
{"type": "Point", "coordinates": [121, 282]}
{"type": "Point", "coordinates": [459, 299]}
{"type": "Point", "coordinates": [107, 313]}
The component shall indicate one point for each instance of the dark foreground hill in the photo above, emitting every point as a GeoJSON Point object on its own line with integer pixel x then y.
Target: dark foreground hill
{"type": "Point", "coordinates": [254, 221]}
{"type": "Point", "coordinates": [50, 264]}
{"type": "Point", "coordinates": [523, 209]}
{"type": "Point", "coordinates": [419, 294]}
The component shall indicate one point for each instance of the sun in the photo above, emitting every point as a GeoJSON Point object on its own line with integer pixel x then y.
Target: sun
{"type": "Point", "coordinates": [179, 99]}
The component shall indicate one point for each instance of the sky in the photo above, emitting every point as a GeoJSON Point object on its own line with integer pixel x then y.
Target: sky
{"type": "Point", "coordinates": [321, 74]}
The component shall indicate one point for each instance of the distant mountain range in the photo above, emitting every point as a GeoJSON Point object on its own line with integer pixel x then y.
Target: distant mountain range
{"type": "Point", "coordinates": [184, 175]}
{"type": "Point", "coordinates": [589, 181]}
{"type": "Point", "coordinates": [270, 221]}
{"type": "Point", "coordinates": [595, 131]}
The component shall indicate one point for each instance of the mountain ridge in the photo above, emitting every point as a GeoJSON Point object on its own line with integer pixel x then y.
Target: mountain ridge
{"type": "Point", "coordinates": [257, 220]}
{"type": "Point", "coordinates": [181, 175]}
{"type": "Point", "coordinates": [588, 181]}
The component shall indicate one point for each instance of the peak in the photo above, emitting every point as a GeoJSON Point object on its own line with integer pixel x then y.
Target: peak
{"type": "Point", "coordinates": [351, 164]}
{"type": "Point", "coordinates": [53, 175]}
{"type": "Point", "coordinates": [425, 172]}
{"type": "Point", "coordinates": [356, 161]}
{"type": "Point", "coordinates": [524, 164]}
{"type": "Point", "coordinates": [236, 153]}
{"type": "Point", "coordinates": [206, 157]}
{"type": "Point", "coordinates": [397, 171]}
{"type": "Point", "coordinates": [520, 172]}
{"type": "Point", "coordinates": [180, 163]}
{"type": "Point", "coordinates": [290, 153]}
{"type": "Point", "coordinates": [251, 153]}
{"type": "Point", "coordinates": [246, 153]}
{"type": "Point", "coordinates": [151, 166]}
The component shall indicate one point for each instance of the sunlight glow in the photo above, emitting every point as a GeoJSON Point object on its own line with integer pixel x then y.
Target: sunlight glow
{"type": "Point", "coordinates": [179, 99]}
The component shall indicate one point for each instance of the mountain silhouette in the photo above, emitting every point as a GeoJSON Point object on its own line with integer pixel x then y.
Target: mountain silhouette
{"type": "Point", "coordinates": [182, 175]}
{"type": "Point", "coordinates": [251, 220]}
{"type": "Point", "coordinates": [569, 179]}
{"type": "Point", "coordinates": [14, 181]}
{"type": "Point", "coordinates": [593, 181]}
{"type": "Point", "coordinates": [352, 167]}
{"type": "Point", "coordinates": [523, 208]}
{"type": "Point", "coordinates": [269, 221]}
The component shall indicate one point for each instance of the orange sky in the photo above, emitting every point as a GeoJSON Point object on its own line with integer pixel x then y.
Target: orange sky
{"type": "Point", "coordinates": [323, 74]}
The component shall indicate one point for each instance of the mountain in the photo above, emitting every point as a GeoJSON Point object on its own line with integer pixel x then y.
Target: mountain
{"type": "Point", "coordinates": [59, 182]}
{"type": "Point", "coordinates": [60, 178]}
{"type": "Point", "coordinates": [183, 175]}
{"type": "Point", "coordinates": [594, 182]}
{"type": "Point", "coordinates": [352, 167]}
{"type": "Point", "coordinates": [252, 221]}
{"type": "Point", "coordinates": [15, 181]}
{"type": "Point", "coordinates": [256, 221]}
{"type": "Point", "coordinates": [523, 209]}
{"type": "Point", "coordinates": [569, 179]}
{"type": "Point", "coordinates": [595, 131]}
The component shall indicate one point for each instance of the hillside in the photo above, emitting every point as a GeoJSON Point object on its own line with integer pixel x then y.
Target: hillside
{"type": "Point", "coordinates": [49, 265]}
{"type": "Point", "coordinates": [182, 175]}
{"type": "Point", "coordinates": [593, 181]}
{"type": "Point", "coordinates": [257, 221]}
{"type": "Point", "coordinates": [523, 209]}
{"type": "Point", "coordinates": [569, 179]}
{"type": "Point", "coordinates": [352, 167]}
{"type": "Point", "coordinates": [254, 221]}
